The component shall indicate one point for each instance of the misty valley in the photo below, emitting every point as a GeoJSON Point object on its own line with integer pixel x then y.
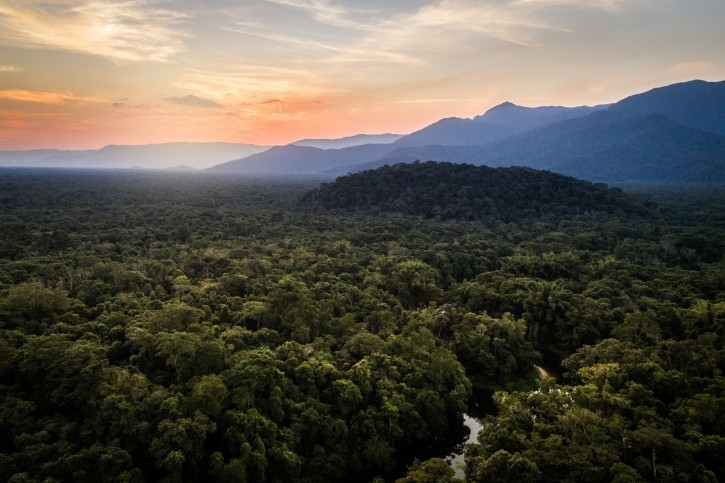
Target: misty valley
{"type": "Point", "coordinates": [167, 326]}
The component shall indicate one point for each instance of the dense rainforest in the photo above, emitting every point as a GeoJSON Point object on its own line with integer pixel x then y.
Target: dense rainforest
{"type": "Point", "coordinates": [185, 327]}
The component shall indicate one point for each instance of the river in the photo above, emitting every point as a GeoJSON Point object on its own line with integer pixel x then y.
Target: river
{"type": "Point", "coordinates": [456, 460]}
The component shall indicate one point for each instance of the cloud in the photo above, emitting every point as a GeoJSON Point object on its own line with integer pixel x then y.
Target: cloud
{"type": "Point", "coordinates": [328, 52]}
{"type": "Point", "coordinates": [446, 25]}
{"type": "Point", "coordinates": [193, 101]}
{"type": "Point", "coordinates": [125, 30]}
{"type": "Point", "coordinates": [9, 68]}
{"type": "Point", "coordinates": [442, 100]}
{"type": "Point", "coordinates": [245, 81]}
{"type": "Point", "coordinates": [691, 69]}
{"type": "Point", "coordinates": [42, 97]}
{"type": "Point", "coordinates": [502, 21]}
{"type": "Point", "coordinates": [607, 5]}
{"type": "Point", "coordinates": [323, 12]}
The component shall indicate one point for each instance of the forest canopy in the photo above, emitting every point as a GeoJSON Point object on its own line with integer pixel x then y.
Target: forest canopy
{"type": "Point", "coordinates": [449, 191]}
{"type": "Point", "coordinates": [186, 327]}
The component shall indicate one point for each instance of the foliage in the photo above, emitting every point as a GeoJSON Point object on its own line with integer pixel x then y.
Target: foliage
{"type": "Point", "coordinates": [176, 327]}
{"type": "Point", "coordinates": [449, 191]}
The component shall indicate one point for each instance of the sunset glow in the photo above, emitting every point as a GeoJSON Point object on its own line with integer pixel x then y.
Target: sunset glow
{"type": "Point", "coordinates": [78, 74]}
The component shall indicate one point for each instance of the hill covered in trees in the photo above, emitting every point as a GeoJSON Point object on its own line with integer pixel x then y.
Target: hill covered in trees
{"type": "Point", "coordinates": [463, 192]}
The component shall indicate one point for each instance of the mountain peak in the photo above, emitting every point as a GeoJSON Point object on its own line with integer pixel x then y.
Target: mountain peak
{"type": "Point", "coordinates": [502, 107]}
{"type": "Point", "coordinates": [520, 119]}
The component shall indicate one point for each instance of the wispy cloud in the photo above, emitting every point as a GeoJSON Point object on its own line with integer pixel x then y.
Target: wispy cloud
{"type": "Point", "coordinates": [126, 30]}
{"type": "Point", "coordinates": [607, 5]}
{"type": "Point", "coordinates": [445, 24]}
{"type": "Point", "coordinates": [691, 69]}
{"type": "Point", "coordinates": [193, 101]}
{"type": "Point", "coordinates": [10, 68]}
{"type": "Point", "coordinates": [43, 97]}
{"type": "Point", "coordinates": [329, 52]}
{"type": "Point", "coordinates": [324, 12]}
{"type": "Point", "coordinates": [502, 21]}
{"type": "Point", "coordinates": [252, 80]}
{"type": "Point", "coordinates": [442, 100]}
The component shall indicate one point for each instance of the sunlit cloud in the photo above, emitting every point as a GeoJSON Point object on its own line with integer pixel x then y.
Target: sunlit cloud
{"type": "Point", "coordinates": [691, 69]}
{"type": "Point", "coordinates": [14, 123]}
{"type": "Point", "coordinates": [43, 97]}
{"type": "Point", "coordinates": [193, 101]}
{"type": "Point", "coordinates": [441, 100]}
{"type": "Point", "coordinates": [269, 71]}
{"type": "Point", "coordinates": [130, 30]}
{"type": "Point", "coordinates": [252, 80]}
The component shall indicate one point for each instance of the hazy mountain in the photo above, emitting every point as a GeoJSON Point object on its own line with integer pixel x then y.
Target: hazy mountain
{"type": "Point", "coordinates": [606, 146]}
{"type": "Point", "coordinates": [152, 156]}
{"type": "Point", "coordinates": [672, 133]}
{"type": "Point", "coordinates": [540, 148]}
{"type": "Point", "coordinates": [468, 135]}
{"type": "Point", "coordinates": [659, 150]}
{"type": "Point", "coordinates": [548, 146]}
{"type": "Point", "coordinates": [31, 157]}
{"type": "Point", "coordinates": [497, 123]}
{"type": "Point", "coordinates": [518, 119]}
{"type": "Point", "coordinates": [668, 134]}
{"type": "Point", "coordinates": [293, 159]}
{"type": "Point", "coordinates": [697, 104]}
{"type": "Point", "coordinates": [348, 142]}
{"type": "Point", "coordinates": [298, 158]}
{"type": "Point", "coordinates": [453, 154]}
{"type": "Point", "coordinates": [454, 131]}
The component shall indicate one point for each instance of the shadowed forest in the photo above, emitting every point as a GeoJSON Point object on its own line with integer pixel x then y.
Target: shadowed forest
{"type": "Point", "coordinates": [188, 327]}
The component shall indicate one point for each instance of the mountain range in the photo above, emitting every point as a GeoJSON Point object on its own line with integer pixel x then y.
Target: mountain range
{"type": "Point", "coordinates": [669, 134]}
{"type": "Point", "coordinates": [349, 141]}
{"type": "Point", "coordinates": [148, 156]}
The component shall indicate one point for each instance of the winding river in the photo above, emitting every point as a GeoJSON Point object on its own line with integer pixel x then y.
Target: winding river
{"type": "Point", "coordinates": [474, 426]}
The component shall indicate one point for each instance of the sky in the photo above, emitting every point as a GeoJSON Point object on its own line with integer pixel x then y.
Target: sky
{"type": "Point", "coordinates": [81, 74]}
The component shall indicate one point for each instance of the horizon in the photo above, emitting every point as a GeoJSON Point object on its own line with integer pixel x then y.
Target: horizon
{"type": "Point", "coordinates": [85, 74]}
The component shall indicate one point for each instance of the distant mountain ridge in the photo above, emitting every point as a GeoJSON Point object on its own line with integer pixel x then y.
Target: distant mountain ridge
{"type": "Point", "coordinates": [632, 141]}
{"type": "Point", "coordinates": [467, 134]}
{"type": "Point", "coordinates": [349, 141]}
{"type": "Point", "coordinates": [520, 119]}
{"type": "Point", "coordinates": [454, 131]}
{"type": "Point", "coordinates": [669, 134]}
{"type": "Point", "coordinates": [302, 159]}
{"type": "Point", "coordinates": [149, 156]}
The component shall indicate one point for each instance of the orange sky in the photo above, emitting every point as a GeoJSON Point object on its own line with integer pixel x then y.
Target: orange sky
{"type": "Point", "coordinates": [78, 74]}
